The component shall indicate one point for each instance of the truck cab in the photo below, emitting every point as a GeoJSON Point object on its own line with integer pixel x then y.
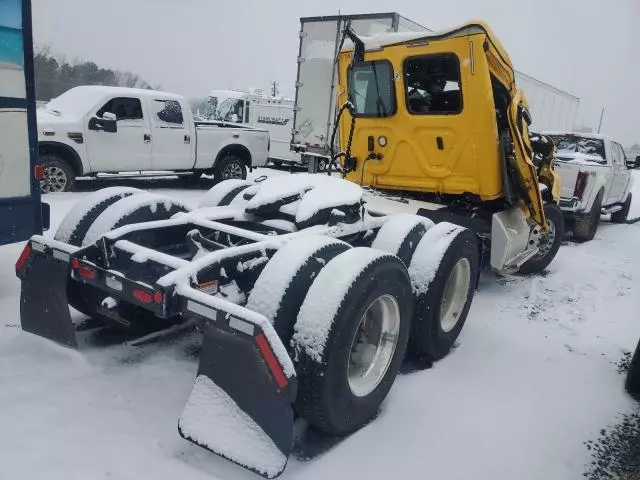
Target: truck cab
{"type": "Point", "coordinates": [439, 115]}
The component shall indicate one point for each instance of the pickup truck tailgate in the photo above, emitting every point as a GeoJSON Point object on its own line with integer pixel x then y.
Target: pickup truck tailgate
{"type": "Point", "coordinates": [569, 174]}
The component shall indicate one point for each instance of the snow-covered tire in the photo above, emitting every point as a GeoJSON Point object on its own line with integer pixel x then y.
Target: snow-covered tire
{"type": "Point", "coordinates": [586, 225]}
{"type": "Point", "coordinates": [77, 221]}
{"type": "Point", "coordinates": [443, 272]}
{"type": "Point", "coordinates": [285, 280]}
{"type": "Point", "coordinates": [341, 387]}
{"type": "Point", "coordinates": [401, 234]}
{"type": "Point", "coordinates": [144, 207]}
{"type": "Point", "coordinates": [555, 221]}
{"type": "Point", "coordinates": [621, 215]}
{"type": "Point", "coordinates": [224, 193]}
{"type": "Point", "coordinates": [632, 383]}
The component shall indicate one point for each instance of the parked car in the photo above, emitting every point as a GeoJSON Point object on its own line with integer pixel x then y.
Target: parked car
{"type": "Point", "coordinates": [95, 129]}
{"type": "Point", "coordinates": [596, 179]}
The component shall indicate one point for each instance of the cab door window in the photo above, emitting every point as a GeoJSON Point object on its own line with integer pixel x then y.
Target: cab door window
{"type": "Point", "coordinates": [433, 84]}
{"type": "Point", "coordinates": [168, 113]}
{"type": "Point", "coordinates": [371, 89]}
{"type": "Point", "coordinates": [123, 108]}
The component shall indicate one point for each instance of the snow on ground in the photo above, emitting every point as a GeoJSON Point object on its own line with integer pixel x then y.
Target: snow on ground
{"type": "Point", "coordinates": [534, 376]}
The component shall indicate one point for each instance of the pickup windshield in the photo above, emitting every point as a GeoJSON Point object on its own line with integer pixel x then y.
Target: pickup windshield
{"type": "Point", "coordinates": [571, 144]}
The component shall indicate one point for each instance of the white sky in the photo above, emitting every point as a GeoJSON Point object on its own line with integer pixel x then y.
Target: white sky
{"type": "Point", "coordinates": [586, 47]}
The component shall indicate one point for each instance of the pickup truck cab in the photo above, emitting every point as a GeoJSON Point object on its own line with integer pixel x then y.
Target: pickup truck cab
{"type": "Point", "coordinates": [95, 129]}
{"type": "Point", "coordinates": [596, 179]}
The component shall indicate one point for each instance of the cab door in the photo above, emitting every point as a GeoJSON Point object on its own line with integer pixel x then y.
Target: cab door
{"type": "Point", "coordinates": [172, 145]}
{"type": "Point", "coordinates": [620, 174]}
{"type": "Point", "coordinates": [418, 117]}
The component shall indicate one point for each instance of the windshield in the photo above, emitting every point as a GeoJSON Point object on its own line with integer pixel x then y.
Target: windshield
{"type": "Point", "coordinates": [224, 109]}
{"type": "Point", "coordinates": [371, 89]}
{"type": "Point", "coordinates": [576, 144]}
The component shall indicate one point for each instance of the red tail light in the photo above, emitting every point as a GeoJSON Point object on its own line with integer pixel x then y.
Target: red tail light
{"type": "Point", "coordinates": [75, 263]}
{"type": "Point", "coordinates": [38, 172]}
{"type": "Point", "coordinates": [142, 296]}
{"type": "Point", "coordinates": [87, 273]}
{"type": "Point", "coordinates": [24, 256]}
{"type": "Point", "coordinates": [272, 361]}
{"type": "Point", "coordinates": [581, 184]}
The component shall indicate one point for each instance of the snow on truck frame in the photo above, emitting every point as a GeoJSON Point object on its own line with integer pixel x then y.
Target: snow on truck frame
{"type": "Point", "coordinates": [307, 300]}
{"type": "Point", "coordinates": [21, 212]}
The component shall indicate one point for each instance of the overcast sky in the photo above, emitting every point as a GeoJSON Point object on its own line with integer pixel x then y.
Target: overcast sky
{"type": "Point", "coordinates": [586, 47]}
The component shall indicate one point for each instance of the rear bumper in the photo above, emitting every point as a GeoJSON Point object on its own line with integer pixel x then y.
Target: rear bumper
{"type": "Point", "coordinates": [570, 205]}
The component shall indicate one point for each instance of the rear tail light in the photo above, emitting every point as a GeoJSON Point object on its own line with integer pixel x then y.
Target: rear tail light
{"type": "Point", "coordinates": [272, 361]}
{"type": "Point", "coordinates": [75, 263]}
{"type": "Point", "coordinates": [38, 172]}
{"type": "Point", "coordinates": [22, 259]}
{"type": "Point", "coordinates": [157, 297]}
{"type": "Point", "coordinates": [87, 273]}
{"type": "Point", "coordinates": [142, 296]}
{"type": "Point", "coordinates": [581, 184]}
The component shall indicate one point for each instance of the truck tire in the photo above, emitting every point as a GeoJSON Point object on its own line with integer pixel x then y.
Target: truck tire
{"type": "Point", "coordinates": [77, 221]}
{"type": "Point", "coordinates": [555, 222]}
{"type": "Point", "coordinates": [586, 224]}
{"type": "Point", "coordinates": [285, 280]}
{"type": "Point", "coordinates": [230, 167]}
{"type": "Point", "coordinates": [621, 215]}
{"type": "Point", "coordinates": [224, 193]}
{"type": "Point", "coordinates": [350, 339]}
{"type": "Point", "coordinates": [143, 207]}
{"type": "Point", "coordinates": [443, 271]}
{"type": "Point", "coordinates": [632, 383]}
{"type": "Point", "coordinates": [59, 176]}
{"type": "Point", "coordinates": [401, 234]}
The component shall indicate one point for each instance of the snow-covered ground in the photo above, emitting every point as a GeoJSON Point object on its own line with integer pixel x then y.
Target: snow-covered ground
{"type": "Point", "coordinates": [534, 376]}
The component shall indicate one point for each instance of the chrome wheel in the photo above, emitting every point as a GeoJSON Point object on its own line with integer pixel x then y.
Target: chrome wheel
{"type": "Point", "coordinates": [232, 170]}
{"type": "Point", "coordinates": [322, 165]}
{"type": "Point", "coordinates": [454, 298]}
{"type": "Point", "coordinates": [373, 345]}
{"type": "Point", "coordinates": [55, 179]}
{"type": "Point", "coordinates": [545, 242]}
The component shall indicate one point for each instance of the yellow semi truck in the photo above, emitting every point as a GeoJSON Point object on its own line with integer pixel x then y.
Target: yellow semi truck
{"type": "Point", "coordinates": [439, 117]}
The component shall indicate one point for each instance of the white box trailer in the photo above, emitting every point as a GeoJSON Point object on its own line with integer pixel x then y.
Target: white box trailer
{"type": "Point", "coordinates": [315, 101]}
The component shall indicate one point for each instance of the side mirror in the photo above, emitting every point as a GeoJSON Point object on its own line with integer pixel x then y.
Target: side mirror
{"type": "Point", "coordinates": [106, 123]}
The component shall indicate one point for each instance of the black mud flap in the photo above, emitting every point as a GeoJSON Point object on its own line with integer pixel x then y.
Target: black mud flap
{"type": "Point", "coordinates": [236, 408]}
{"type": "Point", "coordinates": [43, 300]}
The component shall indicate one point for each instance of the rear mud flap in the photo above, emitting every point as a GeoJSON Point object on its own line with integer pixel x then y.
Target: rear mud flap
{"type": "Point", "coordinates": [236, 408]}
{"type": "Point", "coordinates": [44, 310]}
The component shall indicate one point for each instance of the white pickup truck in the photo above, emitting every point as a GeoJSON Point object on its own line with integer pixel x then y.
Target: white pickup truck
{"type": "Point", "coordinates": [596, 179]}
{"type": "Point", "coordinates": [95, 129]}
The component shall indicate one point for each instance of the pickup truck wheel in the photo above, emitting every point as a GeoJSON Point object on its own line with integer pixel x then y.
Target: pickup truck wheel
{"type": "Point", "coordinates": [230, 167]}
{"type": "Point", "coordinates": [350, 339]}
{"type": "Point", "coordinates": [549, 245]}
{"type": "Point", "coordinates": [58, 174]}
{"type": "Point", "coordinates": [621, 215]}
{"type": "Point", "coordinates": [322, 165]}
{"type": "Point", "coordinates": [443, 272]}
{"type": "Point", "coordinates": [586, 225]}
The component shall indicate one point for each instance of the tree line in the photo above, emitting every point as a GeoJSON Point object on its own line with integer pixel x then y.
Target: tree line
{"type": "Point", "coordinates": [55, 75]}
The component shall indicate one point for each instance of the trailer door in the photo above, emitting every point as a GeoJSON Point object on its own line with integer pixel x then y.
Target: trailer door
{"type": "Point", "coordinates": [20, 208]}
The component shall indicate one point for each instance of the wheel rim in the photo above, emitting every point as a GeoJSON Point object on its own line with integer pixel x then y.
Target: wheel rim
{"type": "Point", "coordinates": [55, 179]}
{"type": "Point", "coordinates": [545, 243]}
{"type": "Point", "coordinates": [232, 170]}
{"type": "Point", "coordinates": [373, 345]}
{"type": "Point", "coordinates": [454, 298]}
{"type": "Point", "coordinates": [322, 164]}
